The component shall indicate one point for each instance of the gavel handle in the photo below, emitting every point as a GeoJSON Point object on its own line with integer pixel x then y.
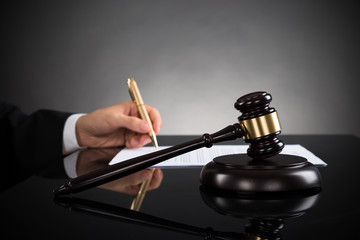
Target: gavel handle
{"type": "Point", "coordinates": [122, 169]}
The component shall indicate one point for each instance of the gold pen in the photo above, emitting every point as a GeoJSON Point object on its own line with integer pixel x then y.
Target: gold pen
{"type": "Point", "coordinates": [138, 199]}
{"type": "Point", "coordinates": [136, 97]}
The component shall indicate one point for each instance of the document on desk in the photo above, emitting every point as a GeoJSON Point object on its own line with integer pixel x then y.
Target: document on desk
{"type": "Point", "coordinates": [202, 156]}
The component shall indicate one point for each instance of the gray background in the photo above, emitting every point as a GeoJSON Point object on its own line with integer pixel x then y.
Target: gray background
{"type": "Point", "coordinates": [191, 59]}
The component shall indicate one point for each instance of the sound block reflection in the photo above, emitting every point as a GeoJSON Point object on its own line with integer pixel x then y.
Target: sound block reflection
{"type": "Point", "coordinates": [266, 212]}
{"type": "Point", "coordinates": [281, 173]}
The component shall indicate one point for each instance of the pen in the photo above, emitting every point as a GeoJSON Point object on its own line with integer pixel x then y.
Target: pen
{"type": "Point", "coordinates": [138, 199]}
{"type": "Point", "coordinates": [136, 97]}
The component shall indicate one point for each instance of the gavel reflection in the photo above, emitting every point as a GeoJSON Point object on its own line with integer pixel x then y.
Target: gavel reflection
{"type": "Point", "coordinates": [265, 214]}
{"type": "Point", "coordinates": [258, 124]}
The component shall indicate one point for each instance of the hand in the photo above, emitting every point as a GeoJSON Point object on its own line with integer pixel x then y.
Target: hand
{"type": "Point", "coordinates": [92, 159]}
{"type": "Point", "coordinates": [117, 125]}
{"type": "Point", "coordinates": [131, 184]}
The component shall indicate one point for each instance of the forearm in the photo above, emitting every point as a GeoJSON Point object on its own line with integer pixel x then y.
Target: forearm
{"type": "Point", "coordinates": [29, 143]}
{"type": "Point", "coordinates": [38, 136]}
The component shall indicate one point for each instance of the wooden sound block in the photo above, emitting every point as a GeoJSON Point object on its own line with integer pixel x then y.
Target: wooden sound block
{"type": "Point", "coordinates": [263, 206]}
{"type": "Point", "coordinates": [281, 173]}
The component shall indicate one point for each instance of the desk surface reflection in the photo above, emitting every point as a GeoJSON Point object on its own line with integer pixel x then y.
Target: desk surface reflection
{"type": "Point", "coordinates": [181, 209]}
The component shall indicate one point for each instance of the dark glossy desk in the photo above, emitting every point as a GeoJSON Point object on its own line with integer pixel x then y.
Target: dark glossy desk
{"type": "Point", "coordinates": [177, 210]}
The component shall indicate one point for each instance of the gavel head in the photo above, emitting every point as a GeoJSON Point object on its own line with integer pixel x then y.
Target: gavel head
{"type": "Point", "coordinates": [260, 124]}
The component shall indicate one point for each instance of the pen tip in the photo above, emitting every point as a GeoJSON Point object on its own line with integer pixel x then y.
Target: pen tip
{"type": "Point", "coordinates": [154, 140]}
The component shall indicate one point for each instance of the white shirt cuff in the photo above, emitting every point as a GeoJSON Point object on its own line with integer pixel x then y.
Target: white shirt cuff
{"type": "Point", "coordinates": [70, 143]}
{"type": "Point", "coordinates": [70, 164]}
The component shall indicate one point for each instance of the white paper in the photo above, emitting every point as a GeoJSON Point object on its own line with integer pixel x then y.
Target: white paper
{"type": "Point", "coordinates": [202, 156]}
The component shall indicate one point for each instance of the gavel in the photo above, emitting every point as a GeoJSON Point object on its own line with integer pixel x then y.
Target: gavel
{"type": "Point", "coordinates": [259, 125]}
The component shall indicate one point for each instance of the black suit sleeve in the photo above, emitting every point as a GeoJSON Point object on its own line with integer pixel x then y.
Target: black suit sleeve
{"type": "Point", "coordinates": [28, 143]}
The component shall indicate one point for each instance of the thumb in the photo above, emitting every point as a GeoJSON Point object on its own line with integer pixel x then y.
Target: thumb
{"type": "Point", "coordinates": [135, 124]}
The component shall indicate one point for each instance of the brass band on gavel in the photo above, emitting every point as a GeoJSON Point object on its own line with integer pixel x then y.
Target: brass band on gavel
{"type": "Point", "coordinates": [261, 126]}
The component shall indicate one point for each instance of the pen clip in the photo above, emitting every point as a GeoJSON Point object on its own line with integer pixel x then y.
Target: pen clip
{"type": "Point", "coordinates": [131, 89]}
{"type": "Point", "coordinates": [134, 92]}
{"type": "Point", "coordinates": [132, 96]}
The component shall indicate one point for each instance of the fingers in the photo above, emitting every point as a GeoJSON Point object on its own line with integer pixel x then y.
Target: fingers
{"type": "Point", "coordinates": [134, 124]}
{"type": "Point", "coordinates": [136, 179]}
{"type": "Point", "coordinates": [141, 126]}
{"type": "Point", "coordinates": [155, 117]}
{"type": "Point", "coordinates": [141, 176]}
{"type": "Point", "coordinates": [134, 140]}
{"type": "Point", "coordinates": [131, 120]}
{"type": "Point", "coordinates": [131, 183]}
{"type": "Point", "coordinates": [156, 179]}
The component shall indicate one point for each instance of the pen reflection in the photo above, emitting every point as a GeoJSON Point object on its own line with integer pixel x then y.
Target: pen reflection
{"type": "Point", "coordinates": [265, 213]}
{"type": "Point", "coordinates": [92, 159]}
